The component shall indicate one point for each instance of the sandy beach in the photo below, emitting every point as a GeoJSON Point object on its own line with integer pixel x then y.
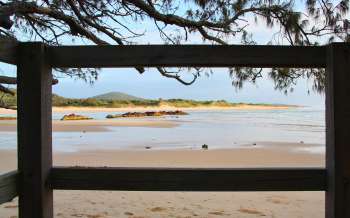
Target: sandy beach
{"type": "Point", "coordinates": [238, 107]}
{"type": "Point", "coordinates": [128, 109]}
{"type": "Point", "coordinates": [107, 204]}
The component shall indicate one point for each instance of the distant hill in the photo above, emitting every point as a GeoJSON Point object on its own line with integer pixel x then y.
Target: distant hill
{"type": "Point", "coordinates": [122, 100]}
{"type": "Point", "coordinates": [117, 96]}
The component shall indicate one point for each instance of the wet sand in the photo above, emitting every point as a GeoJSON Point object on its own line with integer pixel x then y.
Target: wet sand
{"type": "Point", "coordinates": [268, 155]}
{"type": "Point", "coordinates": [93, 125]}
{"type": "Point", "coordinates": [107, 204]}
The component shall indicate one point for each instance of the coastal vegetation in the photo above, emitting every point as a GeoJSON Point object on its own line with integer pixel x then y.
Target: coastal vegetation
{"type": "Point", "coordinates": [177, 103]}
{"type": "Point", "coordinates": [123, 101]}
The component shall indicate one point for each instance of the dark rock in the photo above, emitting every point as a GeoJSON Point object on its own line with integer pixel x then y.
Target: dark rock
{"type": "Point", "coordinates": [147, 114]}
{"type": "Point", "coordinates": [205, 146]}
{"type": "Point", "coordinates": [128, 213]}
{"type": "Point", "coordinates": [75, 117]}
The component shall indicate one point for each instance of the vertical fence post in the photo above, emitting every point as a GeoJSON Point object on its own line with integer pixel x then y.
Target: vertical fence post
{"type": "Point", "coordinates": [34, 131]}
{"type": "Point", "coordinates": [338, 131]}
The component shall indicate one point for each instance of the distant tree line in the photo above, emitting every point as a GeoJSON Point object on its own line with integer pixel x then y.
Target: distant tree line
{"type": "Point", "coordinates": [60, 101]}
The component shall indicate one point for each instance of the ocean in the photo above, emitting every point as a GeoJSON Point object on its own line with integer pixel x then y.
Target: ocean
{"type": "Point", "coordinates": [215, 128]}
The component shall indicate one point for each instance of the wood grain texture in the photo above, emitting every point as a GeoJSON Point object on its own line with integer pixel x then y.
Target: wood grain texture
{"type": "Point", "coordinates": [188, 56]}
{"type": "Point", "coordinates": [188, 179]}
{"type": "Point", "coordinates": [337, 131]}
{"type": "Point", "coordinates": [8, 186]}
{"type": "Point", "coordinates": [8, 50]}
{"type": "Point", "coordinates": [34, 131]}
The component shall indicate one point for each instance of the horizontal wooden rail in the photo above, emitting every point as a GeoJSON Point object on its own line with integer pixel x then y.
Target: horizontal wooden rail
{"type": "Point", "coordinates": [188, 179]}
{"type": "Point", "coordinates": [188, 56]}
{"type": "Point", "coordinates": [8, 51]}
{"type": "Point", "coordinates": [8, 186]}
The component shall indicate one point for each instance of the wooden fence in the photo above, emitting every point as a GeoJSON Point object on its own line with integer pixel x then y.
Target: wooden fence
{"type": "Point", "coordinates": [36, 177]}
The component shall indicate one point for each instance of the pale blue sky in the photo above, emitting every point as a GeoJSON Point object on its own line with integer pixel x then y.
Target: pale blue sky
{"type": "Point", "coordinates": [216, 86]}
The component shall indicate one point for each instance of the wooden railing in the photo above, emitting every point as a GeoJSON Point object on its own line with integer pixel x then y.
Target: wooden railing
{"type": "Point", "coordinates": [36, 177]}
{"type": "Point", "coordinates": [8, 186]}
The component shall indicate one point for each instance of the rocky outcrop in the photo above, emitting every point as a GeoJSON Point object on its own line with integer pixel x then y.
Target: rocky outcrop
{"type": "Point", "coordinates": [75, 117]}
{"type": "Point", "coordinates": [147, 114]}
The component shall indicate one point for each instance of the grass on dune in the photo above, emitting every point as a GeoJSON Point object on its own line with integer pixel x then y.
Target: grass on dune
{"type": "Point", "coordinates": [60, 101]}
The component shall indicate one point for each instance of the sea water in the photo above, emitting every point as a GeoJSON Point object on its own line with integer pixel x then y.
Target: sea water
{"type": "Point", "coordinates": [216, 128]}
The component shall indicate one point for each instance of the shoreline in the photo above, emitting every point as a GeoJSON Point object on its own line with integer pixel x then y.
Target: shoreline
{"type": "Point", "coordinates": [199, 108]}
{"type": "Point", "coordinates": [290, 148]}
{"type": "Point", "coordinates": [102, 204]}
{"type": "Point", "coordinates": [270, 154]}
{"type": "Point", "coordinates": [253, 153]}
{"type": "Point", "coordinates": [94, 125]}
{"type": "Point", "coordinates": [131, 109]}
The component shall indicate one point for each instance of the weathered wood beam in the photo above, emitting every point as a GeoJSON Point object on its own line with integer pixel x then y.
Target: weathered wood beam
{"type": "Point", "coordinates": [188, 56]}
{"type": "Point", "coordinates": [8, 51]}
{"type": "Point", "coordinates": [34, 94]}
{"type": "Point", "coordinates": [187, 179]}
{"type": "Point", "coordinates": [13, 80]}
{"type": "Point", "coordinates": [8, 186]}
{"type": "Point", "coordinates": [337, 131]}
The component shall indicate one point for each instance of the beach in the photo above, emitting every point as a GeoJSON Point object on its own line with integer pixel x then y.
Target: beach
{"type": "Point", "coordinates": [71, 109]}
{"type": "Point", "coordinates": [107, 204]}
{"type": "Point", "coordinates": [242, 138]}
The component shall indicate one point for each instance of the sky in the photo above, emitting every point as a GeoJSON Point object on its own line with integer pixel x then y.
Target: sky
{"type": "Point", "coordinates": [214, 87]}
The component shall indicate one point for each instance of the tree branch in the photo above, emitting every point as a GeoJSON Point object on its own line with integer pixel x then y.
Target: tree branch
{"type": "Point", "coordinates": [6, 90]}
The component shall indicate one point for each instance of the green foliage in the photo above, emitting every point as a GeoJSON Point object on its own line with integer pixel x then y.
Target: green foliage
{"type": "Point", "coordinates": [8, 100]}
{"type": "Point", "coordinates": [59, 101]}
{"type": "Point", "coordinates": [306, 22]}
